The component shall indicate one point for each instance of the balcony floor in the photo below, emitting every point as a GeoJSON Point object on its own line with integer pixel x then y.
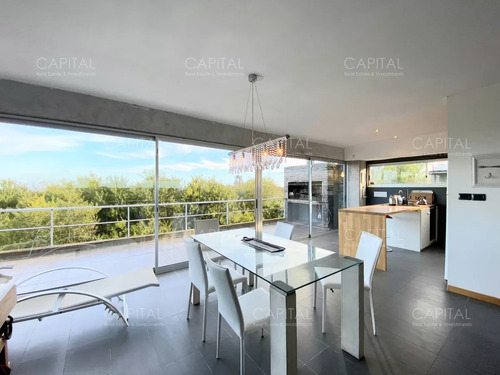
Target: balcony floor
{"type": "Point", "coordinates": [412, 338]}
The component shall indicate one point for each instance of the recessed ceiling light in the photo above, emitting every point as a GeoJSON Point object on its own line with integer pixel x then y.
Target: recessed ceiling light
{"type": "Point", "coordinates": [376, 130]}
{"type": "Point", "coordinates": [395, 137]}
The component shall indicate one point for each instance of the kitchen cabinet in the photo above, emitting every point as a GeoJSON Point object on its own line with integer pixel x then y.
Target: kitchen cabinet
{"type": "Point", "coordinates": [413, 230]}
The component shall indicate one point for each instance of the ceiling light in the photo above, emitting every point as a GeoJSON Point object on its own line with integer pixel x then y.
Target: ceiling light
{"type": "Point", "coordinates": [395, 137]}
{"type": "Point", "coordinates": [376, 130]}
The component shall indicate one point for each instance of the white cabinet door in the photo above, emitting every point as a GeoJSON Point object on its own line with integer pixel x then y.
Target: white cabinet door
{"type": "Point", "coordinates": [403, 230]}
{"type": "Point", "coordinates": [425, 227]}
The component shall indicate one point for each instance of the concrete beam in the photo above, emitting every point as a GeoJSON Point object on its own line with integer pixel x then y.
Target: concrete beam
{"type": "Point", "coordinates": [24, 101]}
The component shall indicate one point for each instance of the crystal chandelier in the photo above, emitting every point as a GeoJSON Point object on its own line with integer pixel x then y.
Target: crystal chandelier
{"type": "Point", "coordinates": [265, 155]}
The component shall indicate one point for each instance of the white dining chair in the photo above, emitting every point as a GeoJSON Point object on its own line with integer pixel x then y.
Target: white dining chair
{"type": "Point", "coordinates": [243, 314]}
{"type": "Point", "coordinates": [284, 230]}
{"type": "Point", "coordinates": [201, 279]}
{"type": "Point", "coordinates": [368, 251]}
{"type": "Point", "coordinates": [208, 226]}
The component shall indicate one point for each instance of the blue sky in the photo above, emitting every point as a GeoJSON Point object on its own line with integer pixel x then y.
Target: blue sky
{"type": "Point", "coordinates": [38, 156]}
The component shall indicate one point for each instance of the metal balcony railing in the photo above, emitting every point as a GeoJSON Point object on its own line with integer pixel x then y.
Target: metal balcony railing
{"type": "Point", "coordinates": [185, 215]}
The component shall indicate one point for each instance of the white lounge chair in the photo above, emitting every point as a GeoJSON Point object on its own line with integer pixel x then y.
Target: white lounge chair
{"type": "Point", "coordinates": [40, 304]}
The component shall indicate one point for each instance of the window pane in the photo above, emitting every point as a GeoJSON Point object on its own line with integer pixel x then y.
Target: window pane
{"type": "Point", "coordinates": [74, 198]}
{"type": "Point", "coordinates": [419, 173]}
{"type": "Point", "coordinates": [195, 185]}
{"type": "Point", "coordinates": [437, 172]}
{"type": "Point", "coordinates": [328, 195]}
{"type": "Point", "coordinates": [290, 183]}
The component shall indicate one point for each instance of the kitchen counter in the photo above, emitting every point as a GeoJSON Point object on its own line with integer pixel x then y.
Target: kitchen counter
{"type": "Point", "coordinates": [384, 209]}
{"type": "Point", "coordinates": [371, 219]}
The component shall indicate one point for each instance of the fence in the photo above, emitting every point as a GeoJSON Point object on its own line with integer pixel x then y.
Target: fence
{"type": "Point", "coordinates": [183, 219]}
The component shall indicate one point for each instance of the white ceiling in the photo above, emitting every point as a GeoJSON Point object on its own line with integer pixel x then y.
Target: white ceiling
{"type": "Point", "coordinates": [139, 50]}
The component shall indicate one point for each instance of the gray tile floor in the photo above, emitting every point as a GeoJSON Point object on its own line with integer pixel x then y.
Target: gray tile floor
{"type": "Point", "coordinates": [421, 329]}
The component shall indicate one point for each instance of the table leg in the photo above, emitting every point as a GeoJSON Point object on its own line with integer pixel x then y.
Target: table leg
{"type": "Point", "coordinates": [283, 331]}
{"type": "Point", "coordinates": [195, 299]}
{"type": "Point", "coordinates": [251, 278]}
{"type": "Point", "coordinates": [352, 332]}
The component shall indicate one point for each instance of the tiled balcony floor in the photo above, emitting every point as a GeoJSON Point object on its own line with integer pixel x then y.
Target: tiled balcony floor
{"type": "Point", "coordinates": [118, 257]}
{"type": "Point", "coordinates": [161, 341]}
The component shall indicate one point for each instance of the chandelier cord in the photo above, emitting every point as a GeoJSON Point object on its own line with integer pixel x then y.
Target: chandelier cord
{"type": "Point", "coordinates": [252, 85]}
{"type": "Point", "coordinates": [246, 113]}
{"type": "Point", "coordinates": [260, 107]}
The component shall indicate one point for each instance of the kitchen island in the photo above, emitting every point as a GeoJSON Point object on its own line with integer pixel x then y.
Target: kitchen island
{"type": "Point", "coordinates": [371, 219]}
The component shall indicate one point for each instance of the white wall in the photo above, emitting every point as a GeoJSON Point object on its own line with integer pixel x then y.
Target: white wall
{"type": "Point", "coordinates": [425, 144]}
{"type": "Point", "coordinates": [473, 228]}
{"type": "Point", "coordinates": [356, 183]}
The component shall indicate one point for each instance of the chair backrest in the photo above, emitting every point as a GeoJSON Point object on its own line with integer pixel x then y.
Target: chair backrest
{"type": "Point", "coordinates": [197, 271]}
{"type": "Point", "coordinates": [227, 300]}
{"type": "Point", "coordinates": [206, 226]}
{"type": "Point", "coordinates": [284, 230]}
{"type": "Point", "coordinates": [369, 250]}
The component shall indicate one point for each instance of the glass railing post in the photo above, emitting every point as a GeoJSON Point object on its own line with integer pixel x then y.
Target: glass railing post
{"type": "Point", "coordinates": [128, 221]}
{"type": "Point", "coordinates": [51, 227]}
{"type": "Point", "coordinates": [227, 213]}
{"type": "Point", "coordinates": [186, 216]}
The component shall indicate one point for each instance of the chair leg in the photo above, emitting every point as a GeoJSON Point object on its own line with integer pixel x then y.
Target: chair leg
{"type": "Point", "coordinates": [204, 333]}
{"type": "Point", "coordinates": [219, 316]}
{"type": "Point", "coordinates": [323, 313]}
{"type": "Point", "coordinates": [189, 300]}
{"type": "Point", "coordinates": [242, 356]}
{"type": "Point", "coordinates": [373, 312]}
{"type": "Point", "coordinates": [315, 292]}
{"type": "Point", "coordinates": [262, 332]}
{"type": "Point", "coordinates": [244, 287]}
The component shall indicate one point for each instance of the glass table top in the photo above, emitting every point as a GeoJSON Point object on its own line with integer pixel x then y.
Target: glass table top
{"type": "Point", "coordinates": [297, 266]}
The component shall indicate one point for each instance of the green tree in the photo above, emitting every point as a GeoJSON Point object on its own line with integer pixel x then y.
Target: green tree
{"type": "Point", "coordinates": [200, 189]}
{"type": "Point", "coordinates": [75, 225]}
{"type": "Point", "coordinates": [12, 193]}
{"type": "Point", "coordinates": [62, 195]}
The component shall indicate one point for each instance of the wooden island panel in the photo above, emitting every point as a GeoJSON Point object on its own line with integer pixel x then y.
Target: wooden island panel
{"type": "Point", "coordinates": [350, 227]}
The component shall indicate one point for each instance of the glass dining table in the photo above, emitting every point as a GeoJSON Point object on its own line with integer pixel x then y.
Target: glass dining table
{"type": "Point", "coordinates": [288, 271]}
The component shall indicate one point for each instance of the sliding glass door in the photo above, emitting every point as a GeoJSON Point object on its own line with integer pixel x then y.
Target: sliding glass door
{"type": "Point", "coordinates": [71, 198]}
{"type": "Point", "coordinates": [327, 179]}
{"type": "Point", "coordinates": [313, 192]}
{"type": "Point", "coordinates": [194, 184]}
